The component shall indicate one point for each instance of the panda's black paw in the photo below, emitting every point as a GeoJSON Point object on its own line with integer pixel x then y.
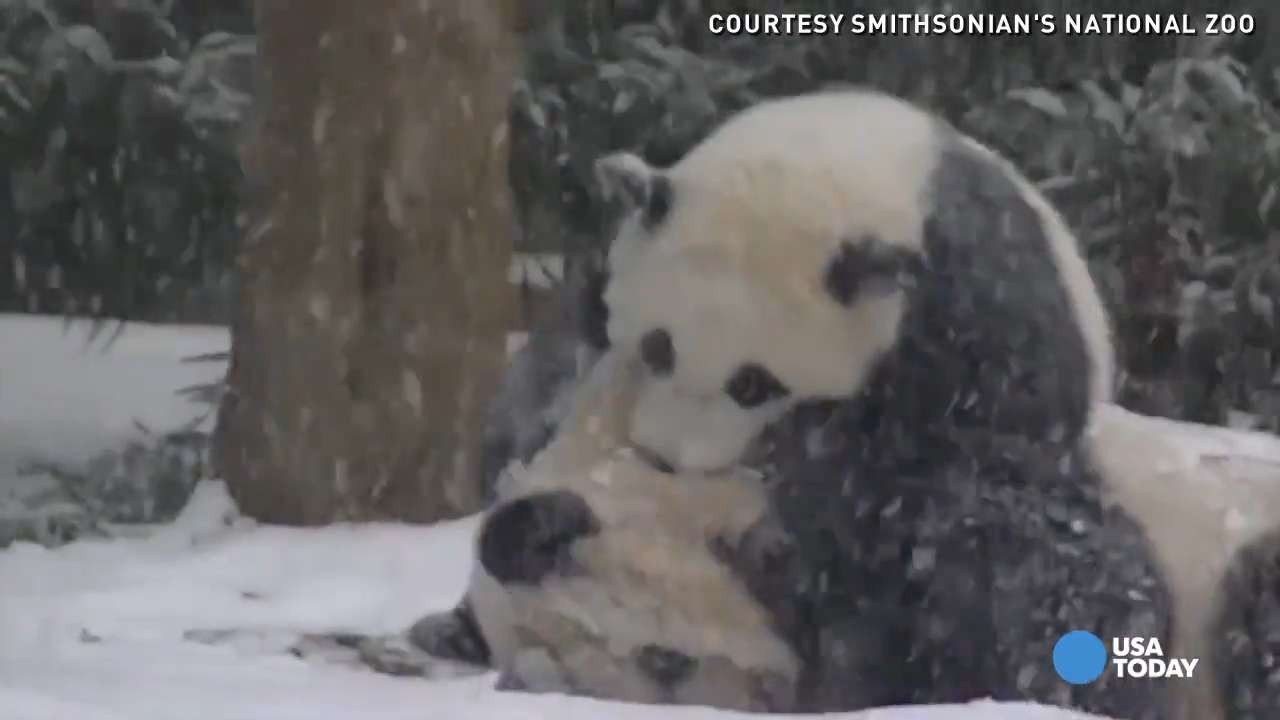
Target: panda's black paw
{"type": "Point", "coordinates": [452, 635]}
{"type": "Point", "coordinates": [397, 655]}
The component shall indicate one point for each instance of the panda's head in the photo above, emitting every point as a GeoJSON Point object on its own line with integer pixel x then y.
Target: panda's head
{"type": "Point", "coordinates": [762, 270]}
{"type": "Point", "coordinates": [627, 583]}
{"type": "Point", "coordinates": [785, 257]}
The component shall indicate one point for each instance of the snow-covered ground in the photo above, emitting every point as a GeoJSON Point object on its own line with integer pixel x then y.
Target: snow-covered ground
{"type": "Point", "coordinates": [101, 629]}
{"type": "Point", "coordinates": [66, 398]}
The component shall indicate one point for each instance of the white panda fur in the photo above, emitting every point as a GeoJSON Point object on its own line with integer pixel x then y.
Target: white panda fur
{"type": "Point", "coordinates": [647, 576]}
{"type": "Point", "coordinates": [1202, 495]}
{"type": "Point", "coordinates": [759, 208]}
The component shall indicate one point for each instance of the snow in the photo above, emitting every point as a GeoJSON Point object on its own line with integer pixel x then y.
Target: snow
{"type": "Point", "coordinates": [66, 398]}
{"type": "Point", "coordinates": [126, 628]}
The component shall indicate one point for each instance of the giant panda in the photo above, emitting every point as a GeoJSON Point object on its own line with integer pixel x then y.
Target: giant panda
{"type": "Point", "coordinates": [598, 574]}
{"type": "Point", "coordinates": [1209, 498]}
{"type": "Point", "coordinates": [888, 319]}
{"type": "Point", "coordinates": [1106, 581]}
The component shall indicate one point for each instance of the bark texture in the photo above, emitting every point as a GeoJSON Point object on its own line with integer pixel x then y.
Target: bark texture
{"type": "Point", "coordinates": [374, 298]}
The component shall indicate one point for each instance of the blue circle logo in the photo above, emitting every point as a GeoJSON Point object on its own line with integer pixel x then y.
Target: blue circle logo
{"type": "Point", "coordinates": [1079, 657]}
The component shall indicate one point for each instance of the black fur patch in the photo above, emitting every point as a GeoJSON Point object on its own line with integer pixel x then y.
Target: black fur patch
{"type": "Point", "coordinates": [657, 352]}
{"type": "Point", "coordinates": [665, 666]}
{"type": "Point", "coordinates": [1247, 632]}
{"type": "Point", "coordinates": [989, 339]}
{"type": "Point", "coordinates": [654, 460]}
{"type": "Point", "coordinates": [593, 311]}
{"type": "Point", "coordinates": [527, 539]}
{"type": "Point", "coordinates": [647, 190]}
{"type": "Point", "coordinates": [945, 582]}
{"type": "Point", "coordinates": [769, 563]}
{"type": "Point", "coordinates": [658, 201]}
{"type": "Point", "coordinates": [752, 386]}
{"type": "Point", "coordinates": [454, 635]}
{"type": "Point", "coordinates": [631, 185]}
{"type": "Point", "coordinates": [868, 266]}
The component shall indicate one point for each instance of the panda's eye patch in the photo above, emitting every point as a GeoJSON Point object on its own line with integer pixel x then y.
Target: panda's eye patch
{"type": "Point", "coordinates": [658, 203]}
{"type": "Point", "coordinates": [868, 265]}
{"type": "Point", "coordinates": [752, 386]}
{"type": "Point", "coordinates": [666, 666]}
{"type": "Point", "coordinates": [657, 352]}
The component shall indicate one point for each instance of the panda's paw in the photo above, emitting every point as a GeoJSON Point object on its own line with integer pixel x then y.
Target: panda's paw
{"type": "Point", "coordinates": [452, 635]}
{"type": "Point", "coordinates": [397, 655]}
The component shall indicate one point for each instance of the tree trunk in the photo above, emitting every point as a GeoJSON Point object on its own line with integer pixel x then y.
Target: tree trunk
{"type": "Point", "coordinates": [373, 300]}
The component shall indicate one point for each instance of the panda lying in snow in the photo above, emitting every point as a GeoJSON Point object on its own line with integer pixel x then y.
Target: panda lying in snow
{"type": "Point", "coordinates": [600, 575]}
{"type": "Point", "coordinates": [892, 323]}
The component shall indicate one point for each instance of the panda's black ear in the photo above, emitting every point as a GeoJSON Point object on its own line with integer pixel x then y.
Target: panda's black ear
{"type": "Point", "coordinates": [637, 185]}
{"type": "Point", "coordinates": [530, 538]}
{"type": "Point", "coordinates": [626, 177]}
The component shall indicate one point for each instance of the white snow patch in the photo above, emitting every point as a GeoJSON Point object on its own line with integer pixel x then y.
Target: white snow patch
{"type": "Point", "coordinates": [64, 399]}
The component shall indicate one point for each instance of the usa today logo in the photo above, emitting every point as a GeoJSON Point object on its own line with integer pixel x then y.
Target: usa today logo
{"type": "Point", "coordinates": [1080, 657]}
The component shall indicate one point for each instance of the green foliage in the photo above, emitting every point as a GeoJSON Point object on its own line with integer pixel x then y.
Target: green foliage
{"type": "Point", "coordinates": [1179, 178]}
{"type": "Point", "coordinates": [119, 196]}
